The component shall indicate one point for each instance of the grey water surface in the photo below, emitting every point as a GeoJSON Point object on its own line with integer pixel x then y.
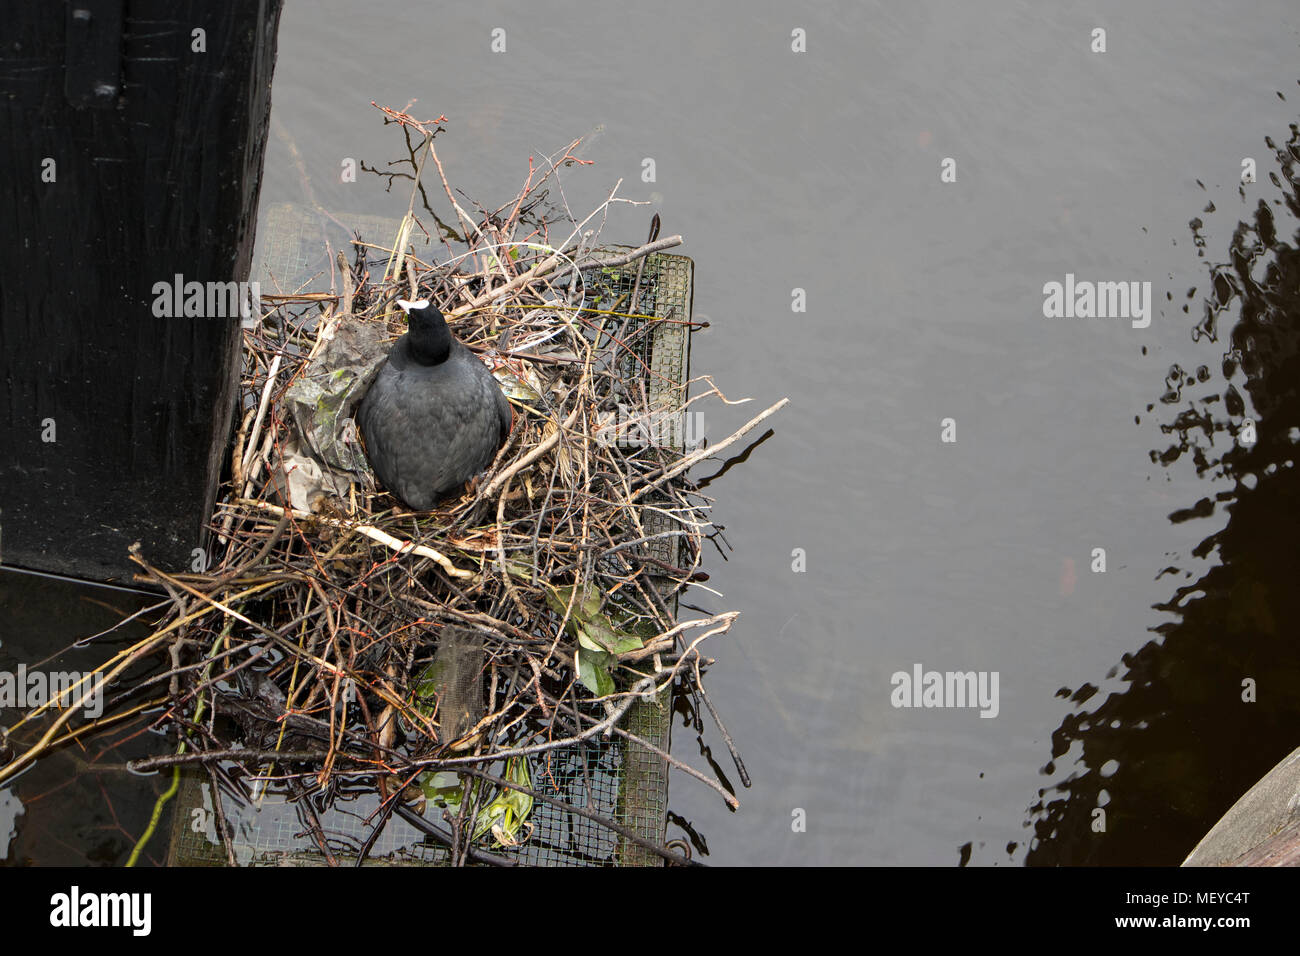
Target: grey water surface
{"type": "Point", "coordinates": [821, 171]}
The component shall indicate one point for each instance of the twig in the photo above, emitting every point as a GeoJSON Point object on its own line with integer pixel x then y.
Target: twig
{"type": "Point", "coordinates": [371, 532]}
{"type": "Point", "coordinates": [698, 456]}
{"type": "Point", "coordinates": [621, 260]}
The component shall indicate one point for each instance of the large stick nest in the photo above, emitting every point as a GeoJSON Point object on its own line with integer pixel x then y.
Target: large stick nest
{"type": "Point", "coordinates": [307, 645]}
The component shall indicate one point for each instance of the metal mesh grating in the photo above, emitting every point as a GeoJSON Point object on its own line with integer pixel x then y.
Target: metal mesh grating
{"type": "Point", "coordinates": [275, 832]}
{"type": "Point", "coordinates": [297, 247]}
{"type": "Point", "coordinates": [662, 361]}
{"type": "Point", "coordinates": [609, 777]}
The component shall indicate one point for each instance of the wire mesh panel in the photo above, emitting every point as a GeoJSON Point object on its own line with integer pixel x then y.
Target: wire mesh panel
{"type": "Point", "coordinates": [275, 831]}
{"type": "Point", "coordinates": [297, 247]}
{"type": "Point", "coordinates": [661, 359]}
{"type": "Point", "coordinates": [607, 777]}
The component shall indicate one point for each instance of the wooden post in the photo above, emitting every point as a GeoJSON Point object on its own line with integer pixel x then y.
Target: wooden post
{"type": "Point", "coordinates": [134, 135]}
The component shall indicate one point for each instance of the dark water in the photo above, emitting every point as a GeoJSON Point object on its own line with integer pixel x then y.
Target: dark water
{"type": "Point", "coordinates": [820, 171]}
{"type": "Point", "coordinates": [79, 806]}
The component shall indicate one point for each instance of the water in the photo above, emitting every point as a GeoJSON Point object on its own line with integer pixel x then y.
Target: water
{"type": "Point", "coordinates": [79, 806]}
{"type": "Point", "coordinates": [820, 171]}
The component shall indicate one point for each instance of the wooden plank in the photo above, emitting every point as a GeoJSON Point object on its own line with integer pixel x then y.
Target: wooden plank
{"type": "Point", "coordinates": [1260, 829]}
{"type": "Point", "coordinates": [114, 414]}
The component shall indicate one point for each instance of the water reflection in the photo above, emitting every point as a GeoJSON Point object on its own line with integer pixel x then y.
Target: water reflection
{"type": "Point", "coordinates": [78, 805]}
{"type": "Point", "coordinates": [1152, 767]}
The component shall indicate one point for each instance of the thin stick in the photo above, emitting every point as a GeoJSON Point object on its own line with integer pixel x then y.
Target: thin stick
{"type": "Point", "coordinates": [623, 259]}
{"type": "Point", "coordinates": [261, 412]}
{"type": "Point", "coordinates": [722, 728]}
{"type": "Point", "coordinates": [371, 532]}
{"type": "Point", "coordinates": [542, 448]}
{"type": "Point", "coordinates": [703, 453]}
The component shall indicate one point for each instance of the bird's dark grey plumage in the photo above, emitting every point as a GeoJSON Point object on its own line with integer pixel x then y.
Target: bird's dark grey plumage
{"type": "Point", "coordinates": [435, 416]}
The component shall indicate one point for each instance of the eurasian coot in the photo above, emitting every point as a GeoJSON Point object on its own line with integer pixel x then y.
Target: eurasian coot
{"type": "Point", "coordinates": [435, 416]}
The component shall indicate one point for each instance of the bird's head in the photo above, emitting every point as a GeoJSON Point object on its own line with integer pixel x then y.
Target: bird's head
{"type": "Point", "coordinates": [429, 339]}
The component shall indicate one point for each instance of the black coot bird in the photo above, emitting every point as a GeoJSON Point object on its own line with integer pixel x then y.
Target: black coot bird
{"type": "Point", "coordinates": [434, 417]}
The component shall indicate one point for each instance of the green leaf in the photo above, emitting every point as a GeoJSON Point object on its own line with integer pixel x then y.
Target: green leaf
{"type": "Point", "coordinates": [616, 642]}
{"type": "Point", "coordinates": [508, 812]}
{"type": "Point", "coordinates": [585, 617]}
{"type": "Point", "coordinates": [504, 815]}
{"type": "Point", "coordinates": [443, 788]}
{"type": "Point", "coordinates": [592, 672]}
{"type": "Point", "coordinates": [588, 643]}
